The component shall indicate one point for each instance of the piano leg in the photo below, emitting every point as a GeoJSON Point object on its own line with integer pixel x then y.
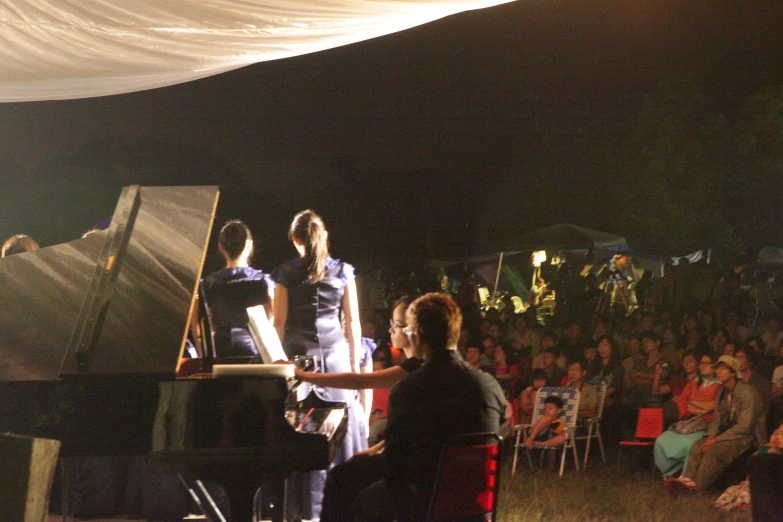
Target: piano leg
{"type": "Point", "coordinates": [64, 501]}
{"type": "Point", "coordinates": [203, 500]}
{"type": "Point", "coordinates": [270, 500]}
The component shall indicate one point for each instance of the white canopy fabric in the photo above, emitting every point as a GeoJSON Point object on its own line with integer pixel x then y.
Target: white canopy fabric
{"type": "Point", "coordinates": [61, 49]}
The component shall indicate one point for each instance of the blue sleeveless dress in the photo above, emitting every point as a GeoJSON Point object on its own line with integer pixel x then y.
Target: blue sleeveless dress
{"type": "Point", "coordinates": [230, 292]}
{"type": "Point", "coordinates": [313, 328]}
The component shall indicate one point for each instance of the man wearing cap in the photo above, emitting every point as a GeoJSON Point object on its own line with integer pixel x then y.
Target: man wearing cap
{"type": "Point", "coordinates": [738, 421]}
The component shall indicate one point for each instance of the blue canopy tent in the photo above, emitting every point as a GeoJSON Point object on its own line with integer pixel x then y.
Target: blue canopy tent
{"type": "Point", "coordinates": [568, 237]}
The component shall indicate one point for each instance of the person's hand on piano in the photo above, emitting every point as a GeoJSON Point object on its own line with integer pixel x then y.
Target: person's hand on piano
{"type": "Point", "coordinates": [369, 452]}
{"type": "Point", "coordinates": [302, 376]}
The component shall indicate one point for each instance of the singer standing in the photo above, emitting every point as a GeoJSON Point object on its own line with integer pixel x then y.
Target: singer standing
{"type": "Point", "coordinates": [312, 291]}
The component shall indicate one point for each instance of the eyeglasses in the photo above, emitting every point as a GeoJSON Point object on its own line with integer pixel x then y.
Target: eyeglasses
{"type": "Point", "coordinates": [392, 324]}
{"type": "Point", "coordinates": [705, 363]}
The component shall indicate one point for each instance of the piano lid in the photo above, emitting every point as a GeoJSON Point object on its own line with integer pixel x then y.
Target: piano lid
{"type": "Point", "coordinates": [121, 298]}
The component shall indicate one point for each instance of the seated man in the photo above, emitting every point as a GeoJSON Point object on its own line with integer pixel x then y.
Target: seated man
{"type": "Point", "coordinates": [647, 384]}
{"type": "Point", "coordinates": [738, 421]}
{"type": "Point", "coordinates": [588, 395]}
{"type": "Point", "coordinates": [549, 431]}
{"type": "Point", "coordinates": [444, 398]}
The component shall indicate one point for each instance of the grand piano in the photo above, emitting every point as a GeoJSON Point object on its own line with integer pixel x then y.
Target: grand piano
{"type": "Point", "coordinates": [92, 353]}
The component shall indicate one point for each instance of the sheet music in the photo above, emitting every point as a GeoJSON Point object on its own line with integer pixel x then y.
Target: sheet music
{"type": "Point", "coordinates": [265, 336]}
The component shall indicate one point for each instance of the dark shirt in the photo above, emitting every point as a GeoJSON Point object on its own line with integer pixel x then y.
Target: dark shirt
{"type": "Point", "coordinates": [571, 350]}
{"type": "Point", "coordinates": [411, 364]}
{"type": "Point", "coordinates": [443, 398]}
{"type": "Point", "coordinates": [555, 376]}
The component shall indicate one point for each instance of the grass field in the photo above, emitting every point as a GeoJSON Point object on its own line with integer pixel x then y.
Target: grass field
{"type": "Point", "coordinates": [600, 494]}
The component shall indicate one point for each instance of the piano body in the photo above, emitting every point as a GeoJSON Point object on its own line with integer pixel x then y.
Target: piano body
{"type": "Point", "coordinates": [92, 336]}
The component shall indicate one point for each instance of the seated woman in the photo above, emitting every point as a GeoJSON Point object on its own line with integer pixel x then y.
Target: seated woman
{"type": "Point", "coordinates": [377, 379]}
{"type": "Point", "coordinates": [612, 373]}
{"type": "Point", "coordinates": [506, 374]}
{"type": "Point", "coordinates": [232, 290]}
{"type": "Point", "coordinates": [689, 370]}
{"type": "Point", "coordinates": [698, 398]}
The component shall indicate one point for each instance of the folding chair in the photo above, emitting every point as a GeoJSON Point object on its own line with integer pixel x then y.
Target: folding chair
{"type": "Point", "coordinates": [570, 398]}
{"type": "Point", "coordinates": [593, 424]}
{"type": "Point", "coordinates": [466, 486]}
{"type": "Point", "coordinates": [649, 426]}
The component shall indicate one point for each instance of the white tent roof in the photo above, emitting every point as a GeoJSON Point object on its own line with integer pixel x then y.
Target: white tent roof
{"type": "Point", "coordinates": [60, 49]}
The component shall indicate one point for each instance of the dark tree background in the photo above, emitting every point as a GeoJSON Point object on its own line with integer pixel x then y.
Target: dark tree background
{"type": "Point", "coordinates": [661, 120]}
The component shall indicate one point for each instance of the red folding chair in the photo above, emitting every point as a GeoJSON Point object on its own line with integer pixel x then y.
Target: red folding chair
{"type": "Point", "coordinates": [649, 426]}
{"type": "Point", "coordinates": [466, 486]}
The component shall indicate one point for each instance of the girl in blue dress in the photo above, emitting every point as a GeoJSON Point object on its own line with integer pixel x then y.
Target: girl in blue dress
{"type": "Point", "coordinates": [232, 290]}
{"type": "Point", "coordinates": [311, 293]}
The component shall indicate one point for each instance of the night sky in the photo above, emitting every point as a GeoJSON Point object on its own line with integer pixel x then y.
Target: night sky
{"type": "Point", "coordinates": [436, 121]}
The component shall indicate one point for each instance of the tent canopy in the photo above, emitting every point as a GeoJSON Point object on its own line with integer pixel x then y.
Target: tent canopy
{"type": "Point", "coordinates": [469, 260]}
{"type": "Point", "coordinates": [54, 49]}
{"type": "Point", "coordinates": [770, 256]}
{"type": "Point", "coordinates": [569, 237]}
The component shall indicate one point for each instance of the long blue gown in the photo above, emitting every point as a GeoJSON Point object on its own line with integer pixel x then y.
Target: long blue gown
{"type": "Point", "coordinates": [313, 328]}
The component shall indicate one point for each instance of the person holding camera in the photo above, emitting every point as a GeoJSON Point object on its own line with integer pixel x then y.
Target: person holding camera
{"type": "Point", "coordinates": [648, 381]}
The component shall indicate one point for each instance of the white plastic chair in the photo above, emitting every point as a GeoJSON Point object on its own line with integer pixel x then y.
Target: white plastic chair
{"type": "Point", "coordinates": [593, 424]}
{"type": "Point", "coordinates": [570, 398]}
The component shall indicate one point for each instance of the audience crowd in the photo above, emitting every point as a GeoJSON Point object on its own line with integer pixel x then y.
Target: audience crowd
{"type": "Point", "coordinates": [714, 367]}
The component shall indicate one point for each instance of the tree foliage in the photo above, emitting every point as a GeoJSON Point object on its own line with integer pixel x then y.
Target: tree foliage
{"type": "Point", "coordinates": [703, 178]}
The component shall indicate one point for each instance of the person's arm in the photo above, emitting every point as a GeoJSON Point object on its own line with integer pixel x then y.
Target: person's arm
{"type": "Point", "coordinates": [353, 332]}
{"type": "Point", "coordinates": [701, 407]}
{"type": "Point", "coordinates": [280, 307]}
{"type": "Point", "coordinates": [353, 327]}
{"type": "Point", "coordinates": [354, 381]}
{"type": "Point", "coordinates": [684, 400]}
{"type": "Point", "coordinates": [617, 381]}
{"type": "Point", "coordinates": [269, 306]}
{"type": "Point", "coordinates": [542, 424]}
{"type": "Point", "coordinates": [372, 450]}
{"type": "Point", "coordinates": [714, 426]}
{"type": "Point", "coordinates": [640, 378]}
{"type": "Point", "coordinates": [526, 402]}
{"type": "Point", "coordinates": [749, 409]}
{"type": "Point", "coordinates": [195, 329]}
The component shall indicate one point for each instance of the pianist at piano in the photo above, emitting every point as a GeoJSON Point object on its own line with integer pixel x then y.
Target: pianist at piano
{"type": "Point", "coordinates": [443, 398]}
{"type": "Point", "coordinates": [347, 480]}
{"type": "Point", "coordinates": [230, 291]}
{"type": "Point", "coordinates": [311, 293]}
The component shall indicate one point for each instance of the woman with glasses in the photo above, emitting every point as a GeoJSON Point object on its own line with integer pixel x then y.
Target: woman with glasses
{"type": "Point", "coordinates": [347, 480]}
{"type": "Point", "coordinates": [698, 398]}
{"type": "Point", "coordinates": [377, 379]}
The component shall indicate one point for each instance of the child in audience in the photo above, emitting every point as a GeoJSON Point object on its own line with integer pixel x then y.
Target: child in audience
{"type": "Point", "coordinates": [549, 431]}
